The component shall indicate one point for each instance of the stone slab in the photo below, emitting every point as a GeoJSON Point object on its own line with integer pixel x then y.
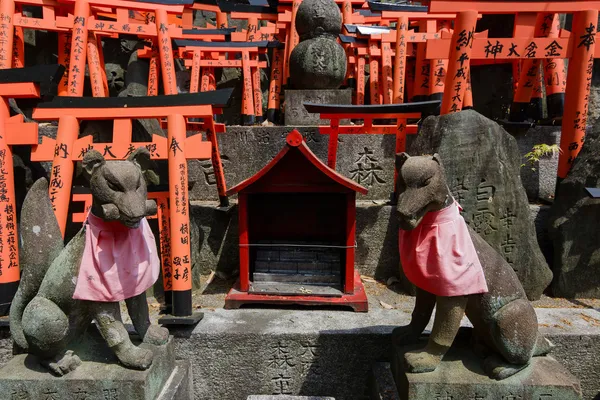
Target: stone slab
{"type": "Point", "coordinates": [381, 383]}
{"type": "Point", "coordinates": [269, 397]}
{"type": "Point", "coordinates": [100, 377]}
{"type": "Point", "coordinates": [296, 114]}
{"type": "Point", "coordinates": [179, 386]}
{"type": "Point", "coordinates": [460, 376]}
{"type": "Point", "coordinates": [237, 353]}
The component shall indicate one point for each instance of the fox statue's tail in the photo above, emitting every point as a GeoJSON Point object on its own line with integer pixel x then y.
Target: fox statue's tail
{"type": "Point", "coordinates": [41, 243]}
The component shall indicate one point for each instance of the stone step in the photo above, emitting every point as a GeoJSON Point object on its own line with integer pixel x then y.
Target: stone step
{"type": "Point", "coordinates": [313, 278]}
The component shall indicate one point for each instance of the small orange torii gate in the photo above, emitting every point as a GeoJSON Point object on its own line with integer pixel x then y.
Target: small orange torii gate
{"type": "Point", "coordinates": [17, 83]}
{"type": "Point", "coordinates": [176, 148]}
{"type": "Point", "coordinates": [579, 47]}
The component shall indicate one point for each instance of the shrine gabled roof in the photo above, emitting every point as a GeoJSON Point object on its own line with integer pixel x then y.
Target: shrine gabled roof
{"type": "Point", "coordinates": [295, 141]}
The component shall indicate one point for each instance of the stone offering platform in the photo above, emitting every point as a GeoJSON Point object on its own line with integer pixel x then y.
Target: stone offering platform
{"type": "Point", "coordinates": [461, 376]}
{"type": "Point", "coordinates": [100, 377]}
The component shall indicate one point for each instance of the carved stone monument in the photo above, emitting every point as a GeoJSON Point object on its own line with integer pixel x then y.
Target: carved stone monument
{"type": "Point", "coordinates": [481, 162]}
{"type": "Point", "coordinates": [318, 61]}
{"type": "Point", "coordinates": [574, 226]}
{"type": "Point", "coordinates": [112, 258]}
{"type": "Point", "coordinates": [317, 64]}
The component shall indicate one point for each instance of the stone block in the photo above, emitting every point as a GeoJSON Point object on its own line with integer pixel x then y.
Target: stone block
{"type": "Point", "coordinates": [460, 376]}
{"type": "Point", "coordinates": [296, 114]}
{"type": "Point", "coordinates": [381, 383]}
{"type": "Point", "coordinates": [100, 376]}
{"type": "Point", "coordinates": [269, 397]}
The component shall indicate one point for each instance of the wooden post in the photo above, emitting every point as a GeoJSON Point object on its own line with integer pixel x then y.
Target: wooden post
{"type": "Point", "coordinates": [350, 241]}
{"type": "Point", "coordinates": [247, 96]}
{"type": "Point", "coordinates": [180, 219]}
{"type": "Point", "coordinates": [256, 89]}
{"type": "Point", "coordinates": [275, 85]}
{"type": "Point", "coordinates": [579, 82]}
{"type": "Point", "coordinates": [374, 73]}
{"type": "Point", "coordinates": [165, 50]}
{"type": "Point", "coordinates": [386, 73]}
{"type": "Point", "coordinates": [360, 82]}
{"type": "Point", "coordinates": [400, 60]}
{"type": "Point", "coordinates": [9, 251]}
{"type": "Point", "coordinates": [153, 76]}
{"type": "Point", "coordinates": [62, 169]}
{"type": "Point", "coordinates": [79, 40]}
{"type": "Point", "coordinates": [195, 73]}
{"type": "Point", "coordinates": [18, 45]}
{"type": "Point", "coordinates": [95, 68]}
{"type": "Point", "coordinates": [439, 68]}
{"type": "Point", "coordinates": [422, 69]}
{"type": "Point", "coordinates": [7, 12]}
{"type": "Point", "coordinates": [164, 229]}
{"type": "Point", "coordinates": [555, 74]}
{"type": "Point", "coordinates": [64, 58]}
{"type": "Point", "coordinates": [244, 243]}
{"type": "Point", "coordinates": [459, 66]}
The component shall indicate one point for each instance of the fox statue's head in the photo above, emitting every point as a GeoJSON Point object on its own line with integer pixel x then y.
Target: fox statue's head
{"type": "Point", "coordinates": [421, 188]}
{"type": "Point", "coordinates": [119, 187]}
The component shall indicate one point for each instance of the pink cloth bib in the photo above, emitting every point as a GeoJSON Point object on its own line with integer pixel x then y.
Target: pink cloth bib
{"type": "Point", "coordinates": [438, 255]}
{"type": "Point", "coordinates": [118, 262]}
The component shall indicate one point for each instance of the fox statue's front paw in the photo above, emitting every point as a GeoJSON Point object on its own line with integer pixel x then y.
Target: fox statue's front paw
{"type": "Point", "coordinates": [156, 335]}
{"type": "Point", "coordinates": [421, 361]}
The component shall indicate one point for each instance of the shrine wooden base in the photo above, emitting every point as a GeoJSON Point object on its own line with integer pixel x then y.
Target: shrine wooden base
{"type": "Point", "coordinates": [357, 301]}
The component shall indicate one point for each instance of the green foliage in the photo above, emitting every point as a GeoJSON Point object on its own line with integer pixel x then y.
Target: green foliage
{"type": "Point", "coordinates": [539, 151]}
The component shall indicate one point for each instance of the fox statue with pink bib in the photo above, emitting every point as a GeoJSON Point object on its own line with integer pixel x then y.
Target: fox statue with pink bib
{"type": "Point", "coordinates": [458, 273]}
{"type": "Point", "coordinates": [112, 258]}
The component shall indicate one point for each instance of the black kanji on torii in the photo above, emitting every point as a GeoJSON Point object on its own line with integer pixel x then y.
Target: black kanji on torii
{"type": "Point", "coordinates": [493, 49]}
{"type": "Point", "coordinates": [589, 38]}
{"type": "Point", "coordinates": [465, 39]}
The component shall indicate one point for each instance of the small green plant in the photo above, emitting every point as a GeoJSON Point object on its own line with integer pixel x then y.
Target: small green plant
{"type": "Point", "coordinates": [539, 151]}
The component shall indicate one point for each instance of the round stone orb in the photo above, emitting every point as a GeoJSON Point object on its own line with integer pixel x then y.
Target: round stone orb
{"type": "Point", "coordinates": [318, 17]}
{"type": "Point", "coordinates": [318, 63]}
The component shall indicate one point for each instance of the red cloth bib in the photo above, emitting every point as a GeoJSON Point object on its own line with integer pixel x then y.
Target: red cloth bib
{"type": "Point", "coordinates": [118, 262]}
{"type": "Point", "coordinates": [439, 256]}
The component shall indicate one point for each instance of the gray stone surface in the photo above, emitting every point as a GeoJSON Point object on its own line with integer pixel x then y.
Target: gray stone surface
{"type": "Point", "coordinates": [539, 215]}
{"type": "Point", "coordinates": [482, 168]}
{"type": "Point", "coordinates": [381, 383]}
{"type": "Point", "coordinates": [461, 376]}
{"type": "Point", "coordinates": [284, 397]}
{"type": "Point", "coordinates": [539, 179]}
{"type": "Point", "coordinates": [100, 377]}
{"type": "Point", "coordinates": [237, 353]}
{"type": "Point", "coordinates": [296, 114]}
{"type": "Point", "coordinates": [179, 386]}
{"type": "Point", "coordinates": [574, 227]}
{"type": "Point", "coordinates": [230, 349]}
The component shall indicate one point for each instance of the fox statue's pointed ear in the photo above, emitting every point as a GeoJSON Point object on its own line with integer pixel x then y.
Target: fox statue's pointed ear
{"type": "Point", "coordinates": [91, 162]}
{"type": "Point", "coordinates": [401, 159]}
{"type": "Point", "coordinates": [141, 158]}
{"type": "Point", "coordinates": [436, 157]}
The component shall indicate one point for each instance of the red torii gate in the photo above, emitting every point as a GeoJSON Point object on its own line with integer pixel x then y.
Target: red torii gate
{"type": "Point", "coordinates": [580, 48]}
{"type": "Point", "coordinates": [17, 83]}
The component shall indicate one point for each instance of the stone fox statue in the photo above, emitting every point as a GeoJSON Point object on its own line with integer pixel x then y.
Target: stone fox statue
{"type": "Point", "coordinates": [48, 313]}
{"type": "Point", "coordinates": [458, 272]}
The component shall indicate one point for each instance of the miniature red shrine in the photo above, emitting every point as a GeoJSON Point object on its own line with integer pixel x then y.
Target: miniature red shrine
{"type": "Point", "coordinates": [297, 222]}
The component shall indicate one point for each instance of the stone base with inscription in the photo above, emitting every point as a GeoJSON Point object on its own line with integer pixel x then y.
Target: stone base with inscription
{"type": "Point", "coordinates": [461, 376]}
{"type": "Point", "coordinates": [296, 114]}
{"type": "Point", "coordinates": [100, 377]}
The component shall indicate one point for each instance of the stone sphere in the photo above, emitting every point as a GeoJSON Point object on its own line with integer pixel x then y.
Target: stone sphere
{"type": "Point", "coordinates": [318, 17]}
{"type": "Point", "coordinates": [318, 63]}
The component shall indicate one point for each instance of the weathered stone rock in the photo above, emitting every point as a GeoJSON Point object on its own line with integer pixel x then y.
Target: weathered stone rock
{"type": "Point", "coordinates": [482, 164]}
{"type": "Point", "coordinates": [574, 226]}
{"type": "Point", "coordinates": [284, 397]}
{"type": "Point", "coordinates": [318, 61]}
{"type": "Point", "coordinates": [296, 114]}
{"type": "Point", "coordinates": [460, 376]}
{"type": "Point", "coordinates": [100, 377]}
{"type": "Point", "coordinates": [539, 178]}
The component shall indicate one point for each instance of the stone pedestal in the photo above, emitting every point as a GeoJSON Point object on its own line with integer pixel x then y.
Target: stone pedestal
{"type": "Point", "coordinates": [284, 397]}
{"type": "Point", "coordinates": [460, 376]}
{"type": "Point", "coordinates": [99, 377]}
{"type": "Point", "coordinates": [296, 114]}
